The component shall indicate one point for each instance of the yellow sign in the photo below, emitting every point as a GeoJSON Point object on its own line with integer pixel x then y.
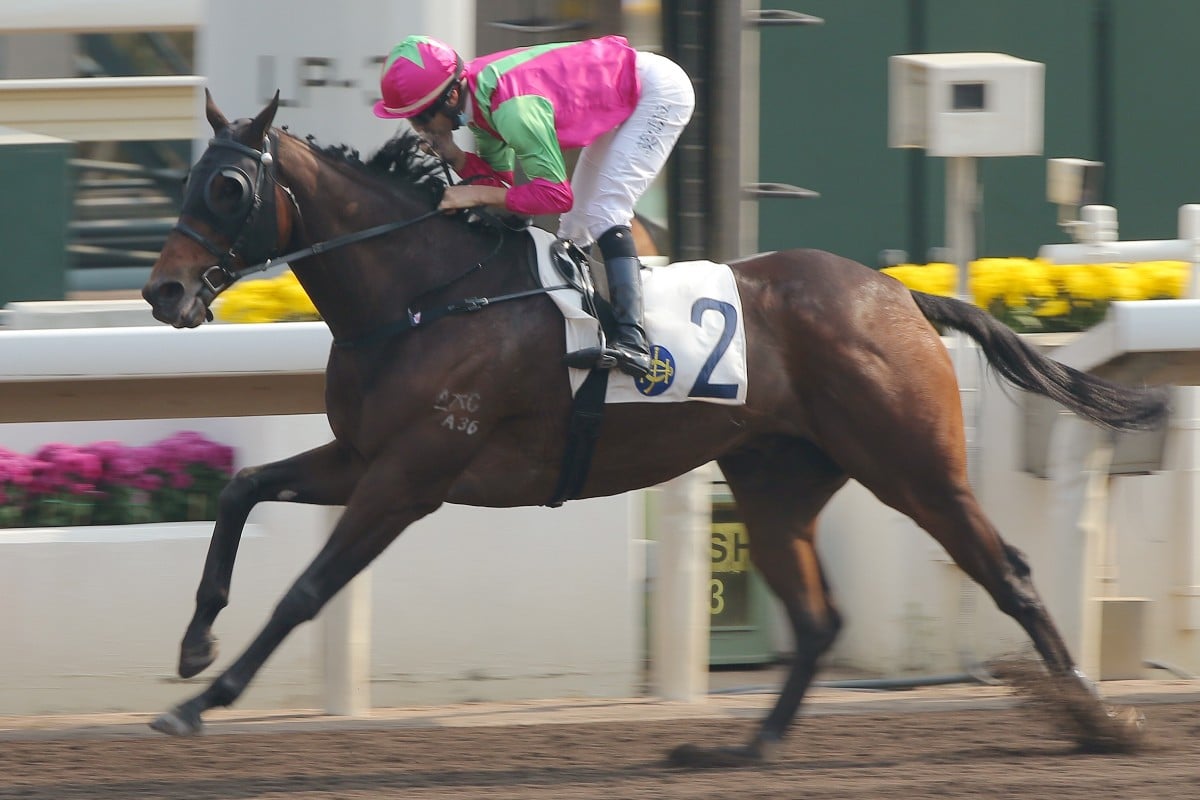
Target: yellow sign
{"type": "Point", "coordinates": [730, 547]}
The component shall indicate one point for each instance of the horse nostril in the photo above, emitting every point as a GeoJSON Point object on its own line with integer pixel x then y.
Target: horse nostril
{"type": "Point", "coordinates": [163, 294]}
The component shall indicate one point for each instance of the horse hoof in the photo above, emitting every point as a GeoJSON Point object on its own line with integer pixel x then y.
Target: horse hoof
{"type": "Point", "coordinates": [178, 722]}
{"type": "Point", "coordinates": [689, 755]}
{"type": "Point", "coordinates": [1123, 730]}
{"type": "Point", "coordinates": [195, 659]}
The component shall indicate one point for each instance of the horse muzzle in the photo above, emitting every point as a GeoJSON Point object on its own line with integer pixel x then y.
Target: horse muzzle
{"type": "Point", "coordinates": [172, 303]}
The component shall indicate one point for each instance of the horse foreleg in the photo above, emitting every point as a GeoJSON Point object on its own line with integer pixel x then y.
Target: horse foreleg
{"type": "Point", "coordinates": [372, 520]}
{"type": "Point", "coordinates": [779, 492]}
{"type": "Point", "coordinates": [322, 476]}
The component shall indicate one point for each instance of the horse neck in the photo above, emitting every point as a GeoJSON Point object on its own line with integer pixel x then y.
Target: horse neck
{"type": "Point", "coordinates": [364, 285]}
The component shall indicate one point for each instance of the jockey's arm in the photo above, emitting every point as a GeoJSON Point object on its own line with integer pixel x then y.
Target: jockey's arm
{"type": "Point", "coordinates": [527, 126]}
{"type": "Point", "coordinates": [527, 123]}
{"type": "Point", "coordinates": [470, 195]}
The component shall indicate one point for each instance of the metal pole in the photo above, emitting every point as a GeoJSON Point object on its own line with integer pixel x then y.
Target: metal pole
{"type": "Point", "coordinates": [961, 200]}
{"type": "Point", "coordinates": [725, 122]}
{"type": "Point", "coordinates": [962, 190]}
{"type": "Point", "coordinates": [1188, 411]}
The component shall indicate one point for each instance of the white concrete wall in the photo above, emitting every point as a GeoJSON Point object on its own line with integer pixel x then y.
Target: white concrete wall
{"type": "Point", "coordinates": [486, 604]}
{"type": "Point", "coordinates": [95, 625]}
{"type": "Point", "coordinates": [99, 15]}
{"type": "Point", "coordinates": [330, 100]}
{"type": "Point", "coordinates": [469, 604]}
{"type": "Point", "coordinates": [478, 604]}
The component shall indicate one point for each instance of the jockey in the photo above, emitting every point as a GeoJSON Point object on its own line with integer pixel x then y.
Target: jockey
{"type": "Point", "coordinates": [624, 107]}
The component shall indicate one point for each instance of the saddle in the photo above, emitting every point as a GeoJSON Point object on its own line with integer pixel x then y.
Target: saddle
{"type": "Point", "coordinates": [693, 319]}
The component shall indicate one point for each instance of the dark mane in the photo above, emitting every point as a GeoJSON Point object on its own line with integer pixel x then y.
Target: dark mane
{"type": "Point", "coordinates": [402, 162]}
{"type": "Point", "coordinates": [399, 160]}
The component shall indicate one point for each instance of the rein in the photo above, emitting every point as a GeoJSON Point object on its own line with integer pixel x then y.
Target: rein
{"type": "Point", "coordinates": [413, 319]}
{"type": "Point", "coordinates": [417, 318]}
{"type": "Point", "coordinates": [316, 249]}
{"type": "Point", "coordinates": [256, 198]}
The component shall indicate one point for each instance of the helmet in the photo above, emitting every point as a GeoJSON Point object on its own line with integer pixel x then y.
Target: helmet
{"type": "Point", "coordinates": [416, 74]}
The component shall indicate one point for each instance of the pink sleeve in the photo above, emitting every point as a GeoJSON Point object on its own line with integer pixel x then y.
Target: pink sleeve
{"type": "Point", "coordinates": [475, 167]}
{"type": "Point", "coordinates": [540, 196]}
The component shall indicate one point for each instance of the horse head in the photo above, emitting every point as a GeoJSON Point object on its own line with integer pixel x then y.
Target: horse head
{"type": "Point", "coordinates": [235, 214]}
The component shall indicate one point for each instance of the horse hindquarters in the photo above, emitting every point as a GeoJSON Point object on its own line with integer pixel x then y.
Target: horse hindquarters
{"type": "Point", "coordinates": [903, 440]}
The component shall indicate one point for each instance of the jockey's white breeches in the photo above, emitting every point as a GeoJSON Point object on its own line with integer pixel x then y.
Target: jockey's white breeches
{"type": "Point", "coordinates": [617, 168]}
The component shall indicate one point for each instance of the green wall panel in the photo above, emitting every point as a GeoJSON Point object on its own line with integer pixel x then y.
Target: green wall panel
{"type": "Point", "coordinates": [35, 209]}
{"type": "Point", "coordinates": [1155, 101]}
{"type": "Point", "coordinates": [1016, 218]}
{"type": "Point", "coordinates": [823, 95]}
{"type": "Point", "coordinates": [1119, 88]}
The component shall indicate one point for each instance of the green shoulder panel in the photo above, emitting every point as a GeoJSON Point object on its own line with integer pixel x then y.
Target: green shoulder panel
{"type": "Point", "coordinates": [527, 125]}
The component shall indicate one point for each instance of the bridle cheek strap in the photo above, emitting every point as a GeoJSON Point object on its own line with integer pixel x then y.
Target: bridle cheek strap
{"type": "Point", "coordinates": [255, 240]}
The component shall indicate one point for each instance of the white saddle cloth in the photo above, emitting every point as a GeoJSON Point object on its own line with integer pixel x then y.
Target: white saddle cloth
{"type": "Point", "coordinates": [694, 324]}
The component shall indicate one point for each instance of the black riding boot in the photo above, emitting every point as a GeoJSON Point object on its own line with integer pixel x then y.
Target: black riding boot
{"type": "Point", "coordinates": [625, 293]}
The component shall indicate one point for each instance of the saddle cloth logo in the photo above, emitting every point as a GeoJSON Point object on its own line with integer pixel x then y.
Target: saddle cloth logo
{"type": "Point", "coordinates": [694, 324]}
{"type": "Point", "coordinates": [661, 375]}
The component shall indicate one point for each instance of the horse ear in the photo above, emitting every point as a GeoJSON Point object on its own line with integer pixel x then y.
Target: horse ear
{"type": "Point", "coordinates": [215, 117]}
{"type": "Point", "coordinates": [262, 123]}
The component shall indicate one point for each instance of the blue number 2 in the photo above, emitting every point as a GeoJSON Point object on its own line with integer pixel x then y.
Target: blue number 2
{"type": "Point", "coordinates": [702, 388]}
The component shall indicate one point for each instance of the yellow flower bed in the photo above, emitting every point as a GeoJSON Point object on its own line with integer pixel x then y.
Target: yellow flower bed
{"type": "Point", "coordinates": [1032, 295]}
{"type": "Point", "coordinates": [279, 299]}
{"type": "Point", "coordinates": [1029, 295]}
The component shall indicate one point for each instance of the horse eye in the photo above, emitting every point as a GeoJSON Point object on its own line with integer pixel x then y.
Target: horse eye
{"type": "Point", "coordinates": [226, 195]}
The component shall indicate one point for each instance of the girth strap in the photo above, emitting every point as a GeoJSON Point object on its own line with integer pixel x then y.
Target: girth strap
{"type": "Point", "coordinates": [587, 414]}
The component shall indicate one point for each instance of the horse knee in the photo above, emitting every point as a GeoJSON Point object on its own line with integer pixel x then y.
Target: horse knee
{"type": "Point", "coordinates": [300, 604]}
{"type": "Point", "coordinates": [241, 491]}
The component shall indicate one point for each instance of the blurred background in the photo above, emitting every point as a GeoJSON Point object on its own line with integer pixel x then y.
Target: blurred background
{"type": "Point", "coordinates": [784, 105]}
{"type": "Point", "coordinates": [101, 112]}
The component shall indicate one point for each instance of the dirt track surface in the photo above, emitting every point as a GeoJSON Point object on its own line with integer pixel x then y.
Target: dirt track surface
{"type": "Point", "coordinates": [995, 752]}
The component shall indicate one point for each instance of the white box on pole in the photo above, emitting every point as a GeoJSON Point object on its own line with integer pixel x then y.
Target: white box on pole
{"type": "Point", "coordinates": [966, 104]}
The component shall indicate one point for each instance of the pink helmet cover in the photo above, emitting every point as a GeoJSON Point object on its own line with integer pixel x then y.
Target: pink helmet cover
{"type": "Point", "coordinates": [416, 73]}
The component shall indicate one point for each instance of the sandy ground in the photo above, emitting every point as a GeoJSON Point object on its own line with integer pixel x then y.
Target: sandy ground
{"type": "Point", "coordinates": [936, 742]}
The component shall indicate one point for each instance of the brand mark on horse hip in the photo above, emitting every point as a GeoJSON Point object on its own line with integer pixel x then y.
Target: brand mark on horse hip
{"type": "Point", "coordinates": [463, 401]}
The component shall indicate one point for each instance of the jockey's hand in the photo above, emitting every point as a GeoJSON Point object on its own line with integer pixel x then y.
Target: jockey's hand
{"type": "Point", "coordinates": [467, 195]}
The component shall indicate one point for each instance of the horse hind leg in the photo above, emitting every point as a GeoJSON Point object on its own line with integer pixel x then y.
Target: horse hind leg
{"type": "Point", "coordinates": [779, 492]}
{"type": "Point", "coordinates": [957, 522]}
{"type": "Point", "coordinates": [322, 476]}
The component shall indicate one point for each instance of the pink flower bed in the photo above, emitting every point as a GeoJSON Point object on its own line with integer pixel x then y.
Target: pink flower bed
{"type": "Point", "coordinates": [107, 483]}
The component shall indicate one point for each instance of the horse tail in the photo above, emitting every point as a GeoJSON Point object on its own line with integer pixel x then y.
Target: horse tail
{"type": "Point", "coordinates": [1105, 403]}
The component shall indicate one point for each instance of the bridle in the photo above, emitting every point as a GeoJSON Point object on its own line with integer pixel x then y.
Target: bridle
{"type": "Point", "coordinates": [250, 240]}
{"type": "Point", "coordinates": [249, 223]}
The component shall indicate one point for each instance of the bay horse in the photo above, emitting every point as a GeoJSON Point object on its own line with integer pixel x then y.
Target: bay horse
{"type": "Point", "coordinates": [848, 379]}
